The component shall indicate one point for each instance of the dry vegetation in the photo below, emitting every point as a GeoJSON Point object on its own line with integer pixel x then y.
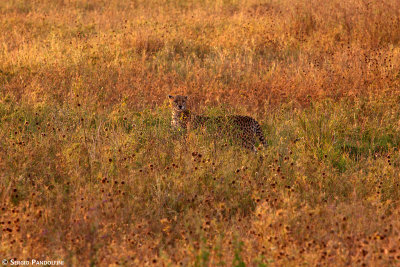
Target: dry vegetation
{"type": "Point", "coordinates": [92, 174]}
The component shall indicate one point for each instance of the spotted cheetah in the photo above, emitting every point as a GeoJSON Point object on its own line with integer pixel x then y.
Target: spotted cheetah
{"type": "Point", "coordinates": [243, 129]}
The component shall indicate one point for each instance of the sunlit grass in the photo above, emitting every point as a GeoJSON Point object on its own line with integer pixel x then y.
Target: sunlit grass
{"type": "Point", "coordinates": [92, 173]}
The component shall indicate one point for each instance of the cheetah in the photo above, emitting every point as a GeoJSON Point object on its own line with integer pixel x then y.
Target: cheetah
{"type": "Point", "coordinates": [243, 129]}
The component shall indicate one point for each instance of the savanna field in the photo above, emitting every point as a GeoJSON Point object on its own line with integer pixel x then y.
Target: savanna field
{"type": "Point", "coordinates": [92, 173]}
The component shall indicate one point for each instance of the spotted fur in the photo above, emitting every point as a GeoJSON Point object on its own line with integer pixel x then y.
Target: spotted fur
{"type": "Point", "coordinates": [243, 129]}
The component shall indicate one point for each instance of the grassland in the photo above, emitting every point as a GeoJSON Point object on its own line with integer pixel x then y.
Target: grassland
{"type": "Point", "coordinates": [92, 174]}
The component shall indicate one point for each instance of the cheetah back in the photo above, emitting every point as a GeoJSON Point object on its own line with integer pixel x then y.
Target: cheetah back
{"type": "Point", "coordinates": [242, 129]}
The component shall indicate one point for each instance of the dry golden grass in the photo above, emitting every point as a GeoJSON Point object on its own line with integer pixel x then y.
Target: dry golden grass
{"type": "Point", "coordinates": [91, 172]}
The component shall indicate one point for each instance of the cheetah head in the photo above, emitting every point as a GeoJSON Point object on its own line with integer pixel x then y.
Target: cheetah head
{"type": "Point", "coordinates": [178, 102]}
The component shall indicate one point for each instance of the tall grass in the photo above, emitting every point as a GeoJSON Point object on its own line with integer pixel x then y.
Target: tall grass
{"type": "Point", "coordinates": [92, 173]}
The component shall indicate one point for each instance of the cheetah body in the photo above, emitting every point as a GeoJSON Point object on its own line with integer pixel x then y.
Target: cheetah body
{"type": "Point", "coordinates": [242, 129]}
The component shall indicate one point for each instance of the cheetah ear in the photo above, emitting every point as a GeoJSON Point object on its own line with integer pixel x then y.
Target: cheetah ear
{"type": "Point", "coordinates": [170, 96]}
